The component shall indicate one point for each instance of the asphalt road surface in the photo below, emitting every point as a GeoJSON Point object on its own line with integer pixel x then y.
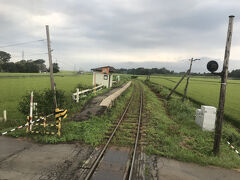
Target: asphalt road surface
{"type": "Point", "coordinates": [23, 160]}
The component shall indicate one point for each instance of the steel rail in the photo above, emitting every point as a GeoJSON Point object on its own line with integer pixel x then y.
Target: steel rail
{"type": "Point", "coordinates": [94, 166]}
{"type": "Point", "coordinates": [137, 137]}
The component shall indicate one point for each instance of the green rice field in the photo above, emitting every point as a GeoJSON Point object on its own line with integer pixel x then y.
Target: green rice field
{"type": "Point", "coordinates": [206, 91]}
{"type": "Point", "coordinates": [13, 88]}
{"type": "Point", "coordinates": [3, 74]}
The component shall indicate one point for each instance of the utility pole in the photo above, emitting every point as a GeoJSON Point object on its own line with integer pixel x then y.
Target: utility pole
{"type": "Point", "coordinates": [224, 76]}
{"type": "Point", "coordinates": [169, 95]}
{"type": "Point", "coordinates": [51, 67]}
{"type": "Point", "coordinates": [188, 77]}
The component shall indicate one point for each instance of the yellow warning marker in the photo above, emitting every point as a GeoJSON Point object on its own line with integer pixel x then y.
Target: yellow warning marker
{"type": "Point", "coordinates": [27, 127]}
{"type": "Point", "coordinates": [44, 124]}
{"type": "Point", "coordinates": [59, 127]}
{"type": "Point", "coordinates": [59, 115]}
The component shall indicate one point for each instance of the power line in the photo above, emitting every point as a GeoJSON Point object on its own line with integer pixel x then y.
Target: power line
{"type": "Point", "coordinates": [22, 43]}
{"type": "Point", "coordinates": [34, 54]}
{"type": "Point", "coordinates": [58, 61]}
{"type": "Point", "coordinates": [64, 63]}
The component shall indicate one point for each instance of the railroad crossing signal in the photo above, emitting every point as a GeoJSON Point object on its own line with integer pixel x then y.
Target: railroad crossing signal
{"type": "Point", "coordinates": [212, 66]}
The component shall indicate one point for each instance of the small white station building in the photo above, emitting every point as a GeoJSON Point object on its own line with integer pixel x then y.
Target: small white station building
{"type": "Point", "coordinates": [103, 76]}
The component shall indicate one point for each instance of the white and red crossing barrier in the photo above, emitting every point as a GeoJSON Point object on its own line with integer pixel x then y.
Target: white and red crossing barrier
{"type": "Point", "coordinates": [22, 126]}
{"type": "Point", "coordinates": [19, 127]}
{"type": "Point", "coordinates": [232, 147]}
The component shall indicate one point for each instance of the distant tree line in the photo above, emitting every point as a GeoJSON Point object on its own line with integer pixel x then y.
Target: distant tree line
{"type": "Point", "coordinates": [24, 66]}
{"type": "Point", "coordinates": [144, 71]}
{"type": "Point", "coordinates": [235, 73]}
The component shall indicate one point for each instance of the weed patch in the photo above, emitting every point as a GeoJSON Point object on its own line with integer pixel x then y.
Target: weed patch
{"type": "Point", "coordinates": [177, 136]}
{"type": "Point", "coordinates": [91, 132]}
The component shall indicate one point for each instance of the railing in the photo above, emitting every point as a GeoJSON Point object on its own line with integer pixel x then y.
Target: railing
{"type": "Point", "coordinates": [76, 96]}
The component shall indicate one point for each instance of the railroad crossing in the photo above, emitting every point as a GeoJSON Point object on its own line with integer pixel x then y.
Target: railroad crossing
{"type": "Point", "coordinates": [78, 161]}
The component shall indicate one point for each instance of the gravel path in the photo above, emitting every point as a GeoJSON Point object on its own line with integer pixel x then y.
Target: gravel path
{"type": "Point", "coordinates": [92, 107]}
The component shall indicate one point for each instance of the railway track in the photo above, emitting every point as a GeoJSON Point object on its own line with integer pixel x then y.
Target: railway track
{"type": "Point", "coordinates": [129, 170]}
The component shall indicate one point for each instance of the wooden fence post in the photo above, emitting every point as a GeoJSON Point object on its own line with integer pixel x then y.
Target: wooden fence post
{"type": "Point", "coordinates": [5, 115]}
{"type": "Point", "coordinates": [95, 84]}
{"type": "Point", "coordinates": [77, 97]}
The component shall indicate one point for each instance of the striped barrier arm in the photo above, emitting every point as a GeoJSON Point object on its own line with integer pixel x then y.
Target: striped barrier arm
{"type": "Point", "coordinates": [232, 147]}
{"type": "Point", "coordinates": [22, 126]}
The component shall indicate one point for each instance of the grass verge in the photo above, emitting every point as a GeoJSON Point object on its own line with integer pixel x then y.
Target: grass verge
{"type": "Point", "coordinates": [91, 132]}
{"type": "Point", "coordinates": [172, 132]}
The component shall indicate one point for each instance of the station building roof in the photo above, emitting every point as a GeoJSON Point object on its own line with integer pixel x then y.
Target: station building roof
{"type": "Point", "coordinates": [99, 69]}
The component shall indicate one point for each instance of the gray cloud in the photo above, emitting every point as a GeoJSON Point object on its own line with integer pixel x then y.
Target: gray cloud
{"type": "Point", "coordinates": [91, 32]}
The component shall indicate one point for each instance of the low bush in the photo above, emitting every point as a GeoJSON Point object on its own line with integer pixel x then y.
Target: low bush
{"type": "Point", "coordinates": [44, 99]}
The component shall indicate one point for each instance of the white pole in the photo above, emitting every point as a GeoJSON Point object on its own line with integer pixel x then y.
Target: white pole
{"type": "Point", "coordinates": [5, 115]}
{"type": "Point", "coordinates": [77, 97]}
{"type": "Point", "coordinates": [31, 112]}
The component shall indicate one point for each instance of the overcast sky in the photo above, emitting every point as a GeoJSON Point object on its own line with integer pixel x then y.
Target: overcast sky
{"type": "Point", "coordinates": [91, 33]}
